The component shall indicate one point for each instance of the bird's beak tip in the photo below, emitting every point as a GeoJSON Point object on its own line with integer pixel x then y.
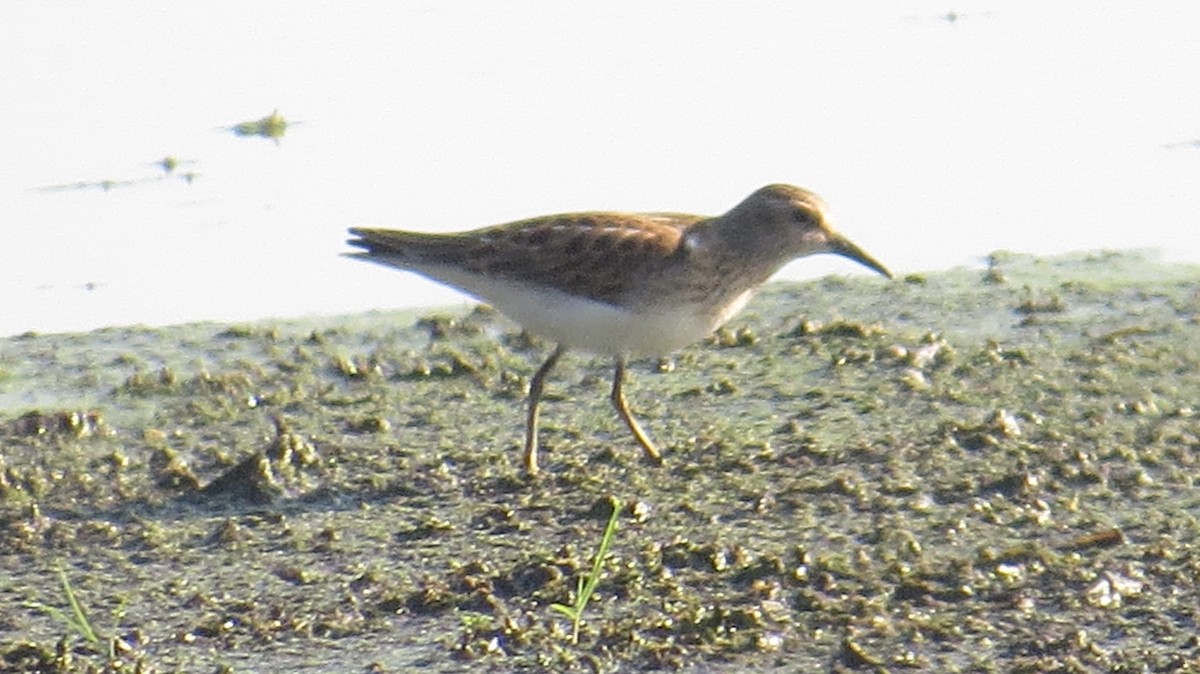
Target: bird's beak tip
{"type": "Point", "coordinates": [842, 246]}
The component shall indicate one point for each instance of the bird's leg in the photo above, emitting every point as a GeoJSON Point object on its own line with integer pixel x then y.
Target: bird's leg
{"type": "Point", "coordinates": [619, 402]}
{"type": "Point", "coordinates": [531, 420]}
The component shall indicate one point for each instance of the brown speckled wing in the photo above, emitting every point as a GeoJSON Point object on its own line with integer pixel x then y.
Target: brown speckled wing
{"type": "Point", "coordinates": [600, 256]}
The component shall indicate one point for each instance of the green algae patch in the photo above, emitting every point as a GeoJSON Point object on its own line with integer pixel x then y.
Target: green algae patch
{"type": "Point", "coordinates": [978, 470]}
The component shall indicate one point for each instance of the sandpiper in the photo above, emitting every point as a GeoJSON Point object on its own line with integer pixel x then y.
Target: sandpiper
{"type": "Point", "coordinates": [619, 284]}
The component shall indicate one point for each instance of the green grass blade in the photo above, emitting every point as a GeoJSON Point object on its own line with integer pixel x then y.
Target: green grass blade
{"type": "Point", "coordinates": [586, 587]}
{"type": "Point", "coordinates": [568, 611]}
{"type": "Point", "coordinates": [78, 619]}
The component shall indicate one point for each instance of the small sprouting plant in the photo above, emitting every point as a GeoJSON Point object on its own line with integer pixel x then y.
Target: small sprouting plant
{"type": "Point", "coordinates": [77, 619]}
{"type": "Point", "coordinates": [587, 584]}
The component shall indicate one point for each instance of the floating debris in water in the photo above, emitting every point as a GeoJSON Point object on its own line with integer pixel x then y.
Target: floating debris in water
{"type": "Point", "coordinates": [168, 165]}
{"type": "Point", "coordinates": [273, 126]}
{"type": "Point", "coordinates": [102, 185]}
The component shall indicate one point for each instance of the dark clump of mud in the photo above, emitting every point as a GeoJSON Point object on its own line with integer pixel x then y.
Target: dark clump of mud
{"type": "Point", "coordinates": [972, 471]}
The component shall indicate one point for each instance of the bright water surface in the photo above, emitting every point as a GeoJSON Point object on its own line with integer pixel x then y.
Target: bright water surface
{"type": "Point", "coordinates": [937, 132]}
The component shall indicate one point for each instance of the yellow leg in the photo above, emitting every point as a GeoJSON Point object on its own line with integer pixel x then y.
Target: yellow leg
{"type": "Point", "coordinates": [531, 420]}
{"type": "Point", "coordinates": [619, 402]}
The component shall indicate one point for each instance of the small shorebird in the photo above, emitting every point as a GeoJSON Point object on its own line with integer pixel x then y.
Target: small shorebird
{"type": "Point", "coordinates": [619, 284]}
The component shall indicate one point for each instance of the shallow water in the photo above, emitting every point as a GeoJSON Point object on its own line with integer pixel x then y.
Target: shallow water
{"type": "Point", "coordinates": [936, 136]}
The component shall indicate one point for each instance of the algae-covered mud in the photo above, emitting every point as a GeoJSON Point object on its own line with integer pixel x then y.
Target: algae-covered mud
{"type": "Point", "coordinates": [980, 470]}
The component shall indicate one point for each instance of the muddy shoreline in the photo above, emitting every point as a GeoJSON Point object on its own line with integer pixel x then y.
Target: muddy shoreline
{"type": "Point", "coordinates": [979, 470]}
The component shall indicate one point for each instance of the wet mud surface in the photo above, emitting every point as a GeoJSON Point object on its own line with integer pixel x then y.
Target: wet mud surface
{"type": "Point", "coordinates": [972, 471]}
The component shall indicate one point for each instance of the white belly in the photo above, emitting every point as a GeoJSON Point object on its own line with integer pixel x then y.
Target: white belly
{"type": "Point", "coordinates": [593, 326]}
